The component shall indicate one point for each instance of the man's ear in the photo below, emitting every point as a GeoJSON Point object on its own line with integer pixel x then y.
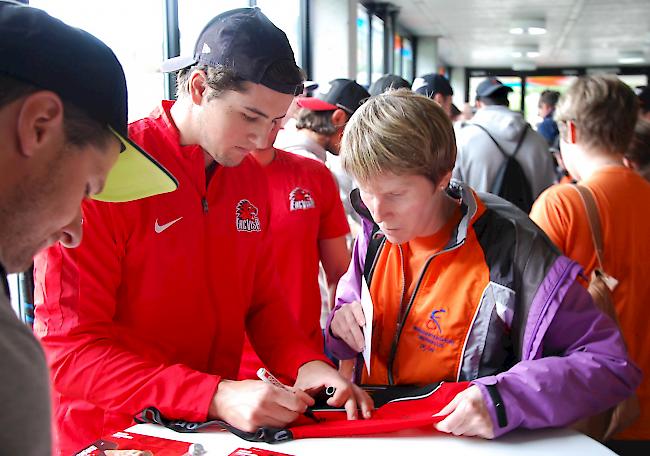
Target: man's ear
{"type": "Point", "coordinates": [571, 132]}
{"type": "Point", "coordinates": [40, 122]}
{"type": "Point", "coordinates": [339, 118]}
{"type": "Point", "coordinates": [197, 86]}
{"type": "Point", "coordinates": [439, 98]}
{"type": "Point", "coordinates": [443, 183]}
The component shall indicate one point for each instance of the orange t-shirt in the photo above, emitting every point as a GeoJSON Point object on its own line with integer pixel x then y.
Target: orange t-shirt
{"type": "Point", "coordinates": [623, 200]}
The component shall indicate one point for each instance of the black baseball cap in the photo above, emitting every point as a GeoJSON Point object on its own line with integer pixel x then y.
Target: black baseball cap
{"type": "Point", "coordinates": [490, 87]}
{"type": "Point", "coordinates": [245, 40]}
{"type": "Point", "coordinates": [345, 94]}
{"type": "Point", "coordinates": [431, 84]}
{"type": "Point", "coordinates": [388, 82]}
{"type": "Point", "coordinates": [40, 50]}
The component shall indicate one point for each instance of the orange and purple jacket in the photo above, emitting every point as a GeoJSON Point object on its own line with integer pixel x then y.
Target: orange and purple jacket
{"type": "Point", "coordinates": [499, 306]}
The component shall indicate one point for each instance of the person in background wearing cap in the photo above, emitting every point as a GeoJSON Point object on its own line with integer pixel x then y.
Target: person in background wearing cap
{"type": "Point", "coordinates": [464, 288]}
{"type": "Point", "coordinates": [388, 82]}
{"type": "Point", "coordinates": [479, 160]}
{"type": "Point", "coordinates": [436, 87]}
{"type": "Point", "coordinates": [643, 93]}
{"type": "Point", "coordinates": [309, 228]}
{"type": "Point", "coordinates": [153, 307]}
{"type": "Point", "coordinates": [597, 117]}
{"type": "Point", "coordinates": [319, 127]}
{"type": "Point", "coordinates": [60, 138]}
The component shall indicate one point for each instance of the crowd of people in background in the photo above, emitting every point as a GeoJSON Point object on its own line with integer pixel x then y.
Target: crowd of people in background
{"type": "Point", "coordinates": [250, 242]}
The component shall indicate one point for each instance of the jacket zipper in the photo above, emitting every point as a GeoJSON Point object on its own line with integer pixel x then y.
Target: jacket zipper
{"type": "Point", "coordinates": [404, 315]}
{"type": "Point", "coordinates": [204, 203]}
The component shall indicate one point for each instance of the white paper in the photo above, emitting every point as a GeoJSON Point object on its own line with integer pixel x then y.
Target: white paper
{"type": "Point", "coordinates": [366, 306]}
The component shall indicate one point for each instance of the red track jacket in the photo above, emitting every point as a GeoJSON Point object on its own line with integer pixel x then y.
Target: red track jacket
{"type": "Point", "coordinates": [151, 309]}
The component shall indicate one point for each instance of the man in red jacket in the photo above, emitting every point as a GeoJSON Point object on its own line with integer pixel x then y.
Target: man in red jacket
{"type": "Point", "coordinates": [152, 308]}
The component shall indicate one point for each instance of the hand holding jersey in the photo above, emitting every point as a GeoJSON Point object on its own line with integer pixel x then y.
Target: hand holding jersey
{"type": "Point", "coordinates": [467, 414]}
{"type": "Point", "coordinates": [316, 375]}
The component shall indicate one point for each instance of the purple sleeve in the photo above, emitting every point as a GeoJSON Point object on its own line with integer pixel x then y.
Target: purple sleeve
{"type": "Point", "coordinates": [348, 290]}
{"type": "Point", "coordinates": [586, 370]}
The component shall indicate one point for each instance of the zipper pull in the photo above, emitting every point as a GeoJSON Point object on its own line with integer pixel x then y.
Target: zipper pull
{"type": "Point", "coordinates": [204, 202]}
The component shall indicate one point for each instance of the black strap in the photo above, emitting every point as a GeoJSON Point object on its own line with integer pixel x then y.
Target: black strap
{"type": "Point", "coordinates": [499, 406]}
{"type": "Point", "coordinates": [503, 152]}
{"type": "Point", "coordinates": [375, 241]}
{"type": "Point", "coordinates": [265, 434]}
{"type": "Point", "coordinates": [3, 276]}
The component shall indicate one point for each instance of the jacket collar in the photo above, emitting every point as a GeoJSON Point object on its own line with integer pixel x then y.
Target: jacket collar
{"type": "Point", "coordinates": [470, 205]}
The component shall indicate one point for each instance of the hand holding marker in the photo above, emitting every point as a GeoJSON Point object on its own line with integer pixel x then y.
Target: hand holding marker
{"type": "Point", "coordinates": [267, 377]}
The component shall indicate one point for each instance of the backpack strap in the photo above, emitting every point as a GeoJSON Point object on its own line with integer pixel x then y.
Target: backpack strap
{"type": "Point", "coordinates": [503, 152]}
{"type": "Point", "coordinates": [594, 221]}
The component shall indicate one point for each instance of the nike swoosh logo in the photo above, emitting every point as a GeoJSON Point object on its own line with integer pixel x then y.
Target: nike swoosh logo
{"type": "Point", "coordinates": [160, 228]}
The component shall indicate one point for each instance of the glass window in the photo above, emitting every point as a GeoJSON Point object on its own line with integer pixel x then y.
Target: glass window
{"type": "Point", "coordinates": [407, 59]}
{"type": "Point", "coordinates": [514, 82]}
{"type": "Point", "coordinates": [397, 55]}
{"type": "Point", "coordinates": [363, 46]}
{"type": "Point", "coordinates": [377, 48]}
{"type": "Point", "coordinates": [140, 57]}
{"type": "Point", "coordinates": [286, 16]}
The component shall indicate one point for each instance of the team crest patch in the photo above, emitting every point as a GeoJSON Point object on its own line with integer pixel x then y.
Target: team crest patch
{"type": "Point", "coordinates": [299, 198]}
{"type": "Point", "coordinates": [246, 217]}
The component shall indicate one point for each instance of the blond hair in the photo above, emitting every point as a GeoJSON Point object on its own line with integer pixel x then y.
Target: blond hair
{"type": "Point", "coordinates": [604, 110]}
{"type": "Point", "coordinates": [400, 132]}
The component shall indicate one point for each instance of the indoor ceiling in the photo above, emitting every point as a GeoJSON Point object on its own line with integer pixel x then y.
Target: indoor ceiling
{"type": "Point", "coordinates": [476, 33]}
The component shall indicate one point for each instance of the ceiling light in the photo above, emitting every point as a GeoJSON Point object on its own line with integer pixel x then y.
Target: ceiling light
{"type": "Point", "coordinates": [630, 57]}
{"type": "Point", "coordinates": [528, 26]}
{"type": "Point", "coordinates": [530, 51]}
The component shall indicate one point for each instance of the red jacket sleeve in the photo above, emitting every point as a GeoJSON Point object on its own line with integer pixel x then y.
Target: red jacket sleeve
{"type": "Point", "coordinates": [87, 351]}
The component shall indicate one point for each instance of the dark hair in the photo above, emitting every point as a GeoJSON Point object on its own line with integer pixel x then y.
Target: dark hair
{"type": "Point", "coordinates": [549, 97]}
{"type": "Point", "coordinates": [221, 78]}
{"type": "Point", "coordinates": [639, 149]}
{"type": "Point", "coordinates": [496, 99]}
{"type": "Point", "coordinates": [80, 129]}
{"type": "Point", "coordinates": [316, 121]}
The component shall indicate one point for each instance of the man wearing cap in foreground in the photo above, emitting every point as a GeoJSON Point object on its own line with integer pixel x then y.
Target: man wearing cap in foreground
{"type": "Point", "coordinates": [478, 158]}
{"type": "Point", "coordinates": [59, 139]}
{"type": "Point", "coordinates": [152, 308]}
{"type": "Point", "coordinates": [436, 87]}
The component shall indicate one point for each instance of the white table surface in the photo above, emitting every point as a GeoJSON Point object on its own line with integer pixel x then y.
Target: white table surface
{"type": "Point", "coordinates": [554, 442]}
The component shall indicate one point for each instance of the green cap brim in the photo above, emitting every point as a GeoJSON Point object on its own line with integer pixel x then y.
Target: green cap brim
{"type": "Point", "coordinates": [136, 175]}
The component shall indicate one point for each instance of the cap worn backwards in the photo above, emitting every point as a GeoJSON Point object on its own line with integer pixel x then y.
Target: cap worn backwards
{"type": "Point", "coordinates": [246, 41]}
{"type": "Point", "coordinates": [341, 93]}
{"type": "Point", "coordinates": [40, 50]}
